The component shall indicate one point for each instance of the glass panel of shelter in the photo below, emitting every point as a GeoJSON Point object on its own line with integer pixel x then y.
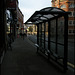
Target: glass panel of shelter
{"type": "Point", "coordinates": [60, 38]}
{"type": "Point", "coordinates": [46, 35]}
{"type": "Point", "coordinates": [53, 35]}
{"type": "Point", "coordinates": [56, 36]}
{"type": "Point", "coordinates": [40, 35]}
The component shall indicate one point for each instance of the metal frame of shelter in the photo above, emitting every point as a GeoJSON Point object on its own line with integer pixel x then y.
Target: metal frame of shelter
{"type": "Point", "coordinates": [52, 34]}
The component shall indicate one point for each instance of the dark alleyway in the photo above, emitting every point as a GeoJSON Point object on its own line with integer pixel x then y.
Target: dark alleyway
{"type": "Point", "coordinates": [23, 60]}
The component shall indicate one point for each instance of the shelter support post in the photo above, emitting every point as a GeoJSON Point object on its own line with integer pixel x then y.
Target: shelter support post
{"type": "Point", "coordinates": [56, 36]}
{"type": "Point", "coordinates": [65, 42]}
{"type": "Point", "coordinates": [44, 35]}
{"type": "Point", "coordinates": [48, 38]}
{"type": "Point", "coordinates": [37, 37]}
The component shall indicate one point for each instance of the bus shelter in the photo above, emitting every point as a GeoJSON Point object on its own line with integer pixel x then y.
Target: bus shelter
{"type": "Point", "coordinates": [52, 34]}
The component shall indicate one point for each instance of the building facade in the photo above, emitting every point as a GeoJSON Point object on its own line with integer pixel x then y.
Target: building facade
{"type": "Point", "coordinates": [16, 24]}
{"type": "Point", "coordinates": [67, 5]}
{"type": "Point", "coordinates": [12, 6]}
{"type": "Point", "coordinates": [2, 30]}
{"type": "Point", "coordinates": [10, 17]}
{"type": "Point", "coordinates": [20, 21]}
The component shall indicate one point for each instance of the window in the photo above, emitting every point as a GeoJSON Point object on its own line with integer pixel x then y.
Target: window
{"type": "Point", "coordinates": [72, 5]}
{"type": "Point", "coordinates": [63, 6]}
{"type": "Point", "coordinates": [74, 22]}
{"type": "Point", "coordinates": [70, 22]}
{"type": "Point", "coordinates": [73, 31]}
{"type": "Point", "coordinates": [70, 14]}
{"type": "Point", "coordinates": [70, 31]}
{"type": "Point", "coordinates": [74, 13]}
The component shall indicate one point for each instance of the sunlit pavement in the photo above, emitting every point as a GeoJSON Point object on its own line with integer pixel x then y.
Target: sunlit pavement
{"type": "Point", "coordinates": [23, 60]}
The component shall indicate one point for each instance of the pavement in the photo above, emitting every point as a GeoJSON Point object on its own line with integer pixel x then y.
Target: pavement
{"type": "Point", "coordinates": [23, 60]}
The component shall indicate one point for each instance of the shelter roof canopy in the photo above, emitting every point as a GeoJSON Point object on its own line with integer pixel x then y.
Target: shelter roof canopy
{"type": "Point", "coordinates": [45, 14]}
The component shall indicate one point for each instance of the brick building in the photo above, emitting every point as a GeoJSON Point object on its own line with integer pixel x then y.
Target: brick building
{"type": "Point", "coordinates": [67, 5]}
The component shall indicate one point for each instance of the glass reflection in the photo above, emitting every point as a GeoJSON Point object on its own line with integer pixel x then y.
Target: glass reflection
{"type": "Point", "coordinates": [60, 30]}
{"type": "Point", "coordinates": [53, 30]}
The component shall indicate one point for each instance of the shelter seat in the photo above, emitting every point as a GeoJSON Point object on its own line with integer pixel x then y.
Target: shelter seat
{"type": "Point", "coordinates": [36, 45]}
{"type": "Point", "coordinates": [50, 52]}
{"type": "Point", "coordinates": [57, 56]}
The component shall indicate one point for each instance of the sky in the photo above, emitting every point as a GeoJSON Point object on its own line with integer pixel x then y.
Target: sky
{"type": "Point", "coordinates": [28, 7]}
